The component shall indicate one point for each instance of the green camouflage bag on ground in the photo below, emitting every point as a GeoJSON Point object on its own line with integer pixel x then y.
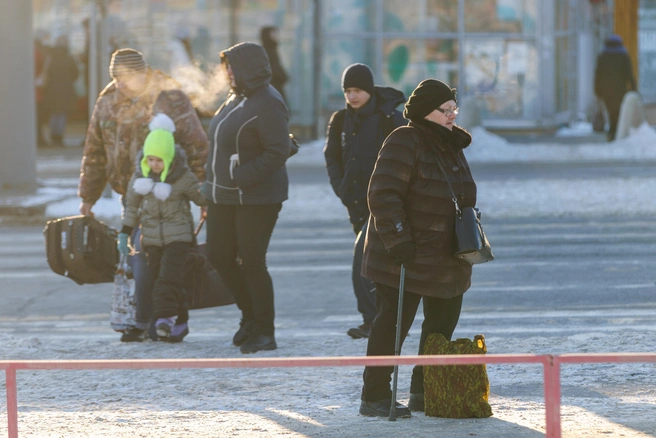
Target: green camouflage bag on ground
{"type": "Point", "coordinates": [456, 391]}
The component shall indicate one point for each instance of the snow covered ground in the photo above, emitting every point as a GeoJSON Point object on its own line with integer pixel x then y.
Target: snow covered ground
{"type": "Point", "coordinates": [598, 400]}
{"type": "Point", "coordinates": [497, 199]}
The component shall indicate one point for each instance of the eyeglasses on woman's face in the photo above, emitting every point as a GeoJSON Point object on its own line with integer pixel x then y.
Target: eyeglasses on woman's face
{"type": "Point", "coordinates": [449, 111]}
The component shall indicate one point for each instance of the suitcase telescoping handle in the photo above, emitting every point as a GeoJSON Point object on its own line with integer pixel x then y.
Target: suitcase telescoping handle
{"type": "Point", "coordinates": [397, 346]}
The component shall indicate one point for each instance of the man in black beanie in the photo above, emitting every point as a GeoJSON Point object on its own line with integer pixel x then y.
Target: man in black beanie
{"type": "Point", "coordinates": [354, 137]}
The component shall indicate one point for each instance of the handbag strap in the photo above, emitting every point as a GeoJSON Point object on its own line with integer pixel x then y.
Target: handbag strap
{"type": "Point", "coordinates": [454, 198]}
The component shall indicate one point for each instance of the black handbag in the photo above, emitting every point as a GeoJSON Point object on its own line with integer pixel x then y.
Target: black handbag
{"type": "Point", "coordinates": [203, 286]}
{"type": "Point", "coordinates": [472, 245]}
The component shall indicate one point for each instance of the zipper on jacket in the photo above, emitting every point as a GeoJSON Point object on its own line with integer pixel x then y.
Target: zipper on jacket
{"type": "Point", "coordinates": [235, 162]}
{"type": "Point", "coordinates": [161, 223]}
{"type": "Point", "coordinates": [216, 136]}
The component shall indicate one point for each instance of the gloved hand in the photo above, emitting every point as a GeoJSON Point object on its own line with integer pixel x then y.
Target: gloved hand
{"type": "Point", "coordinates": [403, 252]}
{"type": "Point", "coordinates": [123, 247]}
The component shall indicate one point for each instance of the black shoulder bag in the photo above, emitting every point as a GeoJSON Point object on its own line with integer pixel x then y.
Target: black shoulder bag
{"type": "Point", "coordinates": [471, 242]}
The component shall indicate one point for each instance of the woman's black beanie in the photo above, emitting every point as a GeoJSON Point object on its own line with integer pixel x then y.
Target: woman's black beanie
{"type": "Point", "coordinates": [429, 95]}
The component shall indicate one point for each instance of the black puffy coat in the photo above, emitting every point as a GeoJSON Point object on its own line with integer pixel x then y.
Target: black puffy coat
{"type": "Point", "coordinates": [613, 73]}
{"type": "Point", "coordinates": [352, 151]}
{"type": "Point", "coordinates": [249, 136]}
{"type": "Point", "coordinates": [410, 201]}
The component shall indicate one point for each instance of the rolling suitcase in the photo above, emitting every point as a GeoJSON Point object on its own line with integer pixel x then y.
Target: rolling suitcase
{"type": "Point", "coordinates": [82, 249]}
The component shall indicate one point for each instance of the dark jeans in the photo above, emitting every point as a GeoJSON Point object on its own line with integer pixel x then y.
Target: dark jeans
{"type": "Point", "coordinates": [166, 264]}
{"type": "Point", "coordinates": [237, 242]}
{"type": "Point", "coordinates": [440, 316]}
{"type": "Point", "coordinates": [143, 282]}
{"type": "Point", "coordinates": [365, 290]}
{"type": "Point", "coordinates": [613, 107]}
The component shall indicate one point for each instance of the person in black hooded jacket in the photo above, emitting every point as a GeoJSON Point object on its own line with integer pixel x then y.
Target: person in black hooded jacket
{"type": "Point", "coordinates": [246, 183]}
{"type": "Point", "coordinates": [613, 79]}
{"type": "Point", "coordinates": [269, 37]}
{"type": "Point", "coordinates": [354, 138]}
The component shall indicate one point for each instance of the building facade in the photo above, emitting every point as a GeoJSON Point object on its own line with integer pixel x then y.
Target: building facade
{"type": "Point", "coordinates": [528, 63]}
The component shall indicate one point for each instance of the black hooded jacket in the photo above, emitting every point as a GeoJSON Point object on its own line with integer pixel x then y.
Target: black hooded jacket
{"type": "Point", "coordinates": [613, 73]}
{"type": "Point", "coordinates": [249, 136]}
{"type": "Point", "coordinates": [278, 74]}
{"type": "Point", "coordinates": [351, 151]}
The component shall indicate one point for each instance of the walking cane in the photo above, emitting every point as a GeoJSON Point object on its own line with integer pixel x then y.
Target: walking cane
{"type": "Point", "coordinates": [397, 347]}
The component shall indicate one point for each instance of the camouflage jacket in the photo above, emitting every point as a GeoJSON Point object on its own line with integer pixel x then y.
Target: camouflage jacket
{"type": "Point", "coordinates": [119, 126]}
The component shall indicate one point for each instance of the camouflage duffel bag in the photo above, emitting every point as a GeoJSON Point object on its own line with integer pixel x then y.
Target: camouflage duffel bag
{"type": "Point", "coordinates": [456, 391]}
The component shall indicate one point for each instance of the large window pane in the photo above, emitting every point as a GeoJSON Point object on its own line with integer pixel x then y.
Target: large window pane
{"type": "Point", "coordinates": [564, 79]}
{"type": "Point", "coordinates": [406, 62]}
{"type": "Point", "coordinates": [402, 16]}
{"type": "Point", "coordinates": [503, 75]}
{"type": "Point", "coordinates": [647, 50]}
{"type": "Point", "coordinates": [420, 16]}
{"type": "Point", "coordinates": [441, 16]}
{"type": "Point", "coordinates": [506, 16]}
{"type": "Point", "coordinates": [339, 54]}
{"type": "Point", "coordinates": [349, 15]}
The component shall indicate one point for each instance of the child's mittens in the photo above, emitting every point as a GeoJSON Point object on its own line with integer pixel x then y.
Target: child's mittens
{"type": "Point", "coordinates": [123, 247]}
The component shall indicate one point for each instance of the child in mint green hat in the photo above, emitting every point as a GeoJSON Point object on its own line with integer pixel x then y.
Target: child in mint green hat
{"type": "Point", "coordinates": [158, 198]}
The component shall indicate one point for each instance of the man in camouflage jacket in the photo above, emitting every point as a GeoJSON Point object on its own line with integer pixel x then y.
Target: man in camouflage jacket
{"type": "Point", "coordinates": [116, 134]}
{"type": "Point", "coordinates": [119, 126]}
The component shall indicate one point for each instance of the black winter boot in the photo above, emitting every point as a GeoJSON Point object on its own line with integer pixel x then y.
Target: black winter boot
{"type": "Point", "coordinates": [243, 333]}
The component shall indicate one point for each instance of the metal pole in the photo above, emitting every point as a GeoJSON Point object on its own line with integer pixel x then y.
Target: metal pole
{"type": "Point", "coordinates": [397, 345]}
{"type": "Point", "coordinates": [552, 397]}
{"type": "Point", "coordinates": [17, 106]}
{"type": "Point", "coordinates": [12, 403]}
{"type": "Point", "coordinates": [234, 25]}
{"type": "Point", "coordinates": [316, 69]}
{"type": "Point", "coordinates": [92, 61]}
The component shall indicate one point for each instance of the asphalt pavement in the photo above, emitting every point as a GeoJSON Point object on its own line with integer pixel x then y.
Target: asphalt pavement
{"type": "Point", "coordinates": [552, 279]}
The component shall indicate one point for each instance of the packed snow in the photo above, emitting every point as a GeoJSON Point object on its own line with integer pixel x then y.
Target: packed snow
{"type": "Point", "coordinates": [598, 399]}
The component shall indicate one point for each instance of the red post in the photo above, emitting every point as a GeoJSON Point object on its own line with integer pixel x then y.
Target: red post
{"type": "Point", "coordinates": [12, 403]}
{"type": "Point", "coordinates": [552, 397]}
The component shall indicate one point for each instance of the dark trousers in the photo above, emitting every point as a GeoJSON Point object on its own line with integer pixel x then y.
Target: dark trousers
{"type": "Point", "coordinates": [238, 238]}
{"type": "Point", "coordinates": [365, 290]}
{"type": "Point", "coordinates": [167, 266]}
{"type": "Point", "coordinates": [143, 282]}
{"type": "Point", "coordinates": [613, 106]}
{"type": "Point", "coordinates": [440, 316]}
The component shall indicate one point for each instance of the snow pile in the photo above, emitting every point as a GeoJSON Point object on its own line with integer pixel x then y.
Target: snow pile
{"type": "Point", "coordinates": [490, 148]}
{"type": "Point", "coordinates": [487, 147]}
{"type": "Point", "coordinates": [576, 129]}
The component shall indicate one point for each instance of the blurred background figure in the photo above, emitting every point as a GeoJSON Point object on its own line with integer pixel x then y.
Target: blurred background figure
{"type": "Point", "coordinates": [59, 94]}
{"type": "Point", "coordinates": [269, 37]}
{"type": "Point", "coordinates": [41, 61]}
{"type": "Point", "coordinates": [180, 53]}
{"type": "Point", "coordinates": [613, 79]}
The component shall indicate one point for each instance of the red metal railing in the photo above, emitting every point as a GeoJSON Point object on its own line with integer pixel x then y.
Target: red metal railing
{"type": "Point", "coordinates": [551, 364]}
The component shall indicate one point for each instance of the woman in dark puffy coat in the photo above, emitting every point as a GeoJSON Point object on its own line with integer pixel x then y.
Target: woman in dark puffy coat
{"type": "Point", "coordinates": [246, 184]}
{"type": "Point", "coordinates": [412, 223]}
